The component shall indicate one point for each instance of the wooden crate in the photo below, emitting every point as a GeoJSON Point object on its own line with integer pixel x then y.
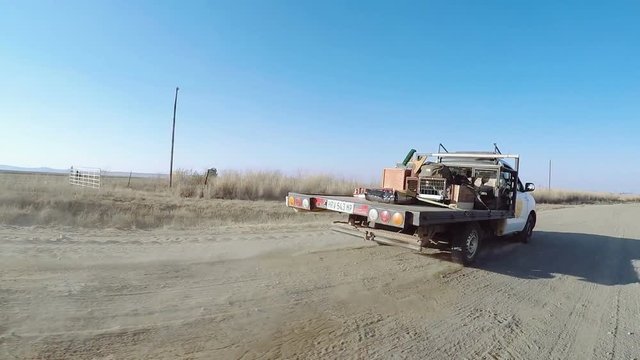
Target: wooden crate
{"type": "Point", "coordinates": [395, 178]}
{"type": "Point", "coordinates": [411, 184]}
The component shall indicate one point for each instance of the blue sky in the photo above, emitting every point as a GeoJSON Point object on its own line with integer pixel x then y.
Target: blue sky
{"type": "Point", "coordinates": [342, 87]}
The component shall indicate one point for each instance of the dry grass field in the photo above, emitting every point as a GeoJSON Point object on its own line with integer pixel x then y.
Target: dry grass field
{"type": "Point", "coordinates": [546, 196]}
{"type": "Point", "coordinates": [258, 185]}
{"type": "Point", "coordinates": [232, 198]}
{"type": "Point", "coordinates": [44, 199]}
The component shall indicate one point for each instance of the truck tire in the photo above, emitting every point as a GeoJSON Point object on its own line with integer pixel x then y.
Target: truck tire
{"type": "Point", "coordinates": [527, 232]}
{"type": "Point", "coordinates": [465, 244]}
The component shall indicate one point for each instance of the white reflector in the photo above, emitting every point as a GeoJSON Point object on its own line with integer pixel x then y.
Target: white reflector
{"type": "Point", "coordinates": [373, 214]}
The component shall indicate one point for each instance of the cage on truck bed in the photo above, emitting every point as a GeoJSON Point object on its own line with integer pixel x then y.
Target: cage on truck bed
{"type": "Point", "coordinates": [452, 203]}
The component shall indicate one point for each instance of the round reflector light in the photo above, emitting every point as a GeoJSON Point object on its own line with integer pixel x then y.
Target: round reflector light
{"type": "Point", "coordinates": [384, 216]}
{"type": "Point", "coordinates": [397, 219]}
{"type": "Point", "coordinates": [305, 203]}
{"type": "Point", "coordinates": [373, 214]}
{"type": "Point", "coordinates": [290, 198]}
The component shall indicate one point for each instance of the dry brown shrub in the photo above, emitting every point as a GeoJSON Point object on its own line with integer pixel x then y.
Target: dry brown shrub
{"type": "Point", "coordinates": [546, 196]}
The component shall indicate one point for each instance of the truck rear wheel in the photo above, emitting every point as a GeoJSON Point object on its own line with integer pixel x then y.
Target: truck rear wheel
{"type": "Point", "coordinates": [466, 244]}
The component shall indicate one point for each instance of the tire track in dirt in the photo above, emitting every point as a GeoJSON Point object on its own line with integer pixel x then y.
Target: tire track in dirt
{"type": "Point", "coordinates": [484, 321]}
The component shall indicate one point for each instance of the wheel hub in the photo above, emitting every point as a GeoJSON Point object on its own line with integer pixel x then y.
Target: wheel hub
{"type": "Point", "coordinates": [472, 243]}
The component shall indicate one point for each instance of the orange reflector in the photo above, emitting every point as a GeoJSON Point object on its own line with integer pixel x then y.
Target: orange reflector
{"type": "Point", "coordinates": [290, 199]}
{"type": "Point", "coordinates": [397, 219]}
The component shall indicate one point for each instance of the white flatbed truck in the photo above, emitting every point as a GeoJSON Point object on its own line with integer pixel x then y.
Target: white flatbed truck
{"type": "Point", "coordinates": [426, 226]}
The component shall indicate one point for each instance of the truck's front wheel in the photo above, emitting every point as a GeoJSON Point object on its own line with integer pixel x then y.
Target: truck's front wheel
{"type": "Point", "coordinates": [527, 232]}
{"type": "Point", "coordinates": [466, 244]}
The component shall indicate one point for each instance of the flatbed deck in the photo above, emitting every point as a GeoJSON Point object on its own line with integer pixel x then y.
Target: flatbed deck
{"type": "Point", "coordinates": [417, 215]}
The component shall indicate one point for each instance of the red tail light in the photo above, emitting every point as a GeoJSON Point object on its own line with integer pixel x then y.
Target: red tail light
{"type": "Point", "coordinates": [385, 216]}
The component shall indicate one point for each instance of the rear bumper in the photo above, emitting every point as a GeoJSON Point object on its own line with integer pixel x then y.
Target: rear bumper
{"type": "Point", "coordinates": [380, 236]}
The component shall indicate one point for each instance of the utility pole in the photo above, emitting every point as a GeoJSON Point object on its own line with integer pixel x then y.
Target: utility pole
{"type": "Point", "coordinates": [549, 174]}
{"type": "Point", "coordinates": [173, 134]}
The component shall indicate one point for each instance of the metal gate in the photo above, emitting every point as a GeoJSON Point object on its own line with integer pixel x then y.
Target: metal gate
{"type": "Point", "coordinates": [88, 177]}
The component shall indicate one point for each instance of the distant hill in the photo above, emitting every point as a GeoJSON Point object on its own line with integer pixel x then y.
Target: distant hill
{"type": "Point", "coordinates": [48, 170]}
{"type": "Point", "coordinates": [37, 169]}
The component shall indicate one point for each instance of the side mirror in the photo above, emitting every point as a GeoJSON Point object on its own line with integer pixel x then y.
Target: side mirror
{"type": "Point", "coordinates": [529, 187]}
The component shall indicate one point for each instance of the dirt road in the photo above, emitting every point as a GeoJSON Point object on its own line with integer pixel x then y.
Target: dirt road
{"type": "Point", "coordinates": [287, 293]}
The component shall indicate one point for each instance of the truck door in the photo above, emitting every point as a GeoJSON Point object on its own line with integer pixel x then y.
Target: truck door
{"type": "Point", "coordinates": [523, 206]}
